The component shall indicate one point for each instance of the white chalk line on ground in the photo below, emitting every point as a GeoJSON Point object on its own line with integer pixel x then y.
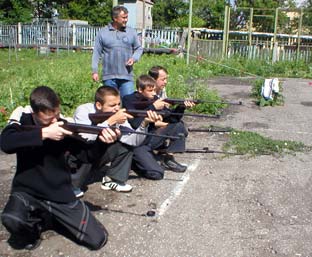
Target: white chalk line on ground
{"type": "Point", "coordinates": [177, 189]}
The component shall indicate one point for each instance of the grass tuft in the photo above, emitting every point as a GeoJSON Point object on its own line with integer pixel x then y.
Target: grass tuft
{"type": "Point", "coordinates": [245, 142]}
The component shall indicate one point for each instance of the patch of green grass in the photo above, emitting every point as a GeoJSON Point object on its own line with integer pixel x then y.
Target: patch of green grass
{"type": "Point", "coordinates": [245, 142]}
{"type": "Point", "coordinates": [69, 74]}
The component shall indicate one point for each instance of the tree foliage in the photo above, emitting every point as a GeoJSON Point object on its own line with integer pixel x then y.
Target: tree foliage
{"type": "Point", "coordinates": [94, 11]}
{"type": "Point", "coordinates": [13, 11]}
{"type": "Point", "coordinates": [264, 13]}
{"type": "Point", "coordinates": [166, 13]}
{"type": "Point", "coordinates": [176, 12]}
{"type": "Point", "coordinates": [307, 16]}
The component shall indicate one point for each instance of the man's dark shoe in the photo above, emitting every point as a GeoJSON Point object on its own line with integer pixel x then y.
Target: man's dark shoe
{"type": "Point", "coordinates": [33, 245]}
{"type": "Point", "coordinates": [170, 163]}
{"type": "Point", "coordinates": [19, 243]}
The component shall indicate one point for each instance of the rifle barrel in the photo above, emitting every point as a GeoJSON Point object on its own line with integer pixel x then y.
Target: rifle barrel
{"type": "Point", "coordinates": [206, 150]}
{"type": "Point", "coordinates": [145, 103]}
{"type": "Point", "coordinates": [92, 129]}
{"type": "Point", "coordinates": [211, 129]}
{"type": "Point", "coordinates": [101, 117]}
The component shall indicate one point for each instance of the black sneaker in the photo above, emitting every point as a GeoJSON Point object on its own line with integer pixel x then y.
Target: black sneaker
{"type": "Point", "coordinates": [170, 163]}
{"type": "Point", "coordinates": [19, 243]}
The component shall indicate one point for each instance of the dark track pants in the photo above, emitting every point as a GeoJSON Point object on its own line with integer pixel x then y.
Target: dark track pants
{"type": "Point", "coordinates": [25, 216]}
{"type": "Point", "coordinates": [144, 160]}
{"type": "Point", "coordinates": [117, 154]}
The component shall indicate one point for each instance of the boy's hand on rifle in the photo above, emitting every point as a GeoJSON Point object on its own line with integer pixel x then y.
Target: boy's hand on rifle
{"type": "Point", "coordinates": [160, 104]}
{"type": "Point", "coordinates": [109, 135]}
{"type": "Point", "coordinates": [152, 117]}
{"type": "Point", "coordinates": [189, 103]}
{"type": "Point", "coordinates": [119, 117]}
{"type": "Point", "coordinates": [161, 124]}
{"type": "Point", "coordinates": [55, 131]}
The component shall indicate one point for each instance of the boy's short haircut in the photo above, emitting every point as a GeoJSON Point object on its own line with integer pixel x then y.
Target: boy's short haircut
{"type": "Point", "coordinates": [43, 99]}
{"type": "Point", "coordinates": [154, 71]}
{"type": "Point", "coordinates": [145, 81]}
{"type": "Point", "coordinates": [103, 91]}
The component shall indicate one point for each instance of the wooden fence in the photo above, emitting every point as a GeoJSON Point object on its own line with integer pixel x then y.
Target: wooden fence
{"type": "Point", "coordinates": [75, 36]}
{"type": "Point", "coordinates": [206, 43]}
{"type": "Point", "coordinates": [265, 46]}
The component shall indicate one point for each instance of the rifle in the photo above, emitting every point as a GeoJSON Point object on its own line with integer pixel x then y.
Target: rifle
{"type": "Point", "coordinates": [92, 129]}
{"type": "Point", "coordinates": [100, 117]}
{"type": "Point", "coordinates": [174, 101]}
{"type": "Point", "coordinates": [206, 150]}
{"type": "Point", "coordinates": [210, 129]}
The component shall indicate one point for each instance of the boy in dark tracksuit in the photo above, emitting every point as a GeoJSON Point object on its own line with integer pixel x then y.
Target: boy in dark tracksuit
{"type": "Point", "coordinates": [144, 159]}
{"type": "Point", "coordinates": [41, 195]}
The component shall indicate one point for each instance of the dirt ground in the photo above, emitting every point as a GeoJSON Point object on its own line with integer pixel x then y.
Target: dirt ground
{"type": "Point", "coordinates": [221, 206]}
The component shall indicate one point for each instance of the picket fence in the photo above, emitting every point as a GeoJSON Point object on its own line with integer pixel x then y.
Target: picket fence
{"type": "Point", "coordinates": [205, 43]}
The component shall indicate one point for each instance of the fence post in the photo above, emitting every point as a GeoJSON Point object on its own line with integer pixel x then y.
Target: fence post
{"type": "Point", "coordinates": [275, 55]}
{"type": "Point", "coordinates": [74, 35]}
{"type": "Point", "coordinates": [226, 31]}
{"type": "Point", "coordinates": [299, 34]}
{"type": "Point", "coordinates": [19, 34]}
{"type": "Point", "coordinates": [48, 33]}
{"type": "Point", "coordinates": [189, 33]}
{"type": "Point", "coordinates": [275, 32]}
{"type": "Point", "coordinates": [250, 33]}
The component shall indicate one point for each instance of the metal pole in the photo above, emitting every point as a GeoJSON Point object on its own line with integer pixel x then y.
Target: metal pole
{"type": "Point", "coordinates": [250, 26]}
{"type": "Point", "coordinates": [299, 33]}
{"type": "Point", "coordinates": [189, 32]}
{"type": "Point", "coordinates": [275, 25]}
{"type": "Point", "coordinates": [225, 31]}
{"type": "Point", "coordinates": [274, 48]}
{"type": "Point", "coordinates": [115, 2]}
{"type": "Point", "coordinates": [250, 32]}
{"type": "Point", "coordinates": [143, 24]}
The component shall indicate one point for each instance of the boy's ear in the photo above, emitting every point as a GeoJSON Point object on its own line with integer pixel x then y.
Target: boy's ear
{"type": "Point", "coordinates": [98, 105]}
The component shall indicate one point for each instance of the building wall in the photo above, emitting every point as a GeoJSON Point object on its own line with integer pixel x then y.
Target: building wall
{"type": "Point", "coordinates": [135, 8]}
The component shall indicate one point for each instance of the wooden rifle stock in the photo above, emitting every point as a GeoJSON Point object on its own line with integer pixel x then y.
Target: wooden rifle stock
{"type": "Point", "coordinates": [101, 117]}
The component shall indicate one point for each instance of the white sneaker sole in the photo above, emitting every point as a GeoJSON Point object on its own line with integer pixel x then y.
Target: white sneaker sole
{"type": "Point", "coordinates": [115, 189]}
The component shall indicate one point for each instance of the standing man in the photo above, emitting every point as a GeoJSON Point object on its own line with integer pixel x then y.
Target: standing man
{"type": "Point", "coordinates": [119, 47]}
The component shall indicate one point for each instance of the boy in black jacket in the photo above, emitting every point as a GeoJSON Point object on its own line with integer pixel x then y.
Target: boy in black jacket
{"type": "Point", "coordinates": [144, 159]}
{"type": "Point", "coordinates": [41, 195]}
